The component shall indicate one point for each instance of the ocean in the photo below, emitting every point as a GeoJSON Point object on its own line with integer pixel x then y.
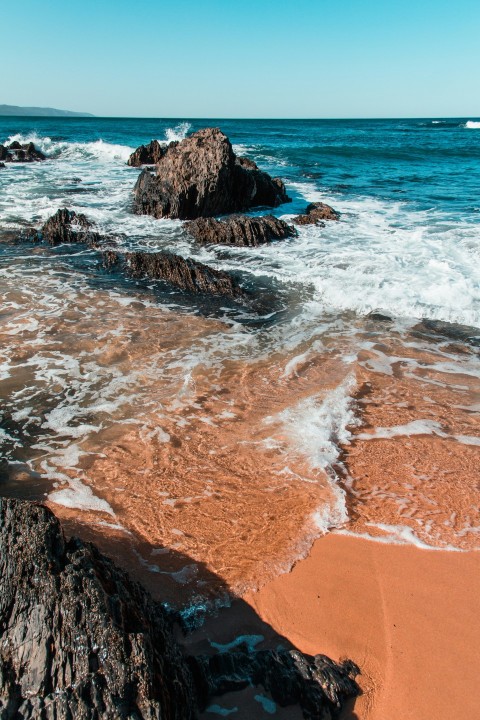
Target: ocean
{"type": "Point", "coordinates": [204, 436]}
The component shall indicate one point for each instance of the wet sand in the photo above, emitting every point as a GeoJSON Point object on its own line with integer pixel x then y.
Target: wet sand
{"type": "Point", "coordinates": [408, 617]}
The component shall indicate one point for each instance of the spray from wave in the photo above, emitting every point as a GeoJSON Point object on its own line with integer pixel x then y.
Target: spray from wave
{"type": "Point", "coordinates": [177, 133]}
{"type": "Point", "coordinates": [472, 125]}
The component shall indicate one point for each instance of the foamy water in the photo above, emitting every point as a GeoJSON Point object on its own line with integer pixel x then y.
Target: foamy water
{"type": "Point", "coordinates": [230, 440]}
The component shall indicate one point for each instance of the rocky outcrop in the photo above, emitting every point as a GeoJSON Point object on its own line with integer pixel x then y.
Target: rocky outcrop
{"type": "Point", "coordinates": [240, 230]}
{"type": "Point", "coordinates": [315, 214]}
{"type": "Point", "coordinates": [149, 154]}
{"type": "Point", "coordinates": [67, 226]}
{"type": "Point", "coordinates": [79, 639]}
{"type": "Point", "coordinates": [184, 274]}
{"type": "Point", "coordinates": [316, 684]}
{"type": "Point", "coordinates": [202, 177]}
{"type": "Point", "coordinates": [17, 153]}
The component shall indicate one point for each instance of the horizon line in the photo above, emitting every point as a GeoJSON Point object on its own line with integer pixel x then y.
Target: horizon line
{"type": "Point", "coordinates": [90, 116]}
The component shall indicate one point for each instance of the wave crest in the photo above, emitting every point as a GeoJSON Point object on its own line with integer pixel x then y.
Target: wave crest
{"type": "Point", "coordinates": [95, 150]}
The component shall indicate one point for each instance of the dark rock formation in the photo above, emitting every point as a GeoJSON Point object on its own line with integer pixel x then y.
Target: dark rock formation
{"type": "Point", "coordinates": [316, 213]}
{"type": "Point", "coordinates": [67, 226]}
{"type": "Point", "coordinates": [201, 177]}
{"type": "Point", "coordinates": [149, 154]}
{"type": "Point", "coordinates": [2, 165]}
{"type": "Point", "coordinates": [79, 639]}
{"type": "Point", "coordinates": [317, 684]}
{"type": "Point", "coordinates": [379, 316]}
{"type": "Point", "coordinates": [188, 275]}
{"type": "Point", "coordinates": [240, 230]}
{"type": "Point", "coordinates": [16, 153]}
{"type": "Point", "coordinates": [453, 331]}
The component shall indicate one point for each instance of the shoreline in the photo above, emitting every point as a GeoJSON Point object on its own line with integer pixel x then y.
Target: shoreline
{"type": "Point", "coordinates": [406, 616]}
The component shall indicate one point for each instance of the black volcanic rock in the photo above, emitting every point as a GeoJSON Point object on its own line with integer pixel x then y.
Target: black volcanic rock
{"type": "Point", "coordinates": [146, 154]}
{"type": "Point", "coordinates": [16, 153]}
{"type": "Point", "coordinates": [67, 226]}
{"type": "Point", "coordinates": [79, 639]}
{"type": "Point", "coordinates": [240, 230]}
{"type": "Point", "coordinates": [181, 273]}
{"type": "Point", "coordinates": [202, 177]}
{"type": "Point", "coordinates": [317, 684]}
{"type": "Point", "coordinates": [316, 213]}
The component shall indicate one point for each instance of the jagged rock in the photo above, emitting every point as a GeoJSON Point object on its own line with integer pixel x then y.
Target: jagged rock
{"type": "Point", "coordinates": [317, 684]}
{"type": "Point", "coordinates": [240, 230]}
{"type": "Point", "coordinates": [315, 213]}
{"type": "Point", "coordinates": [79, 639]}
{"type": "Point", "coordinates": [2, 165]}
{"type": "Point", "coordinates": [202, 177]}
{"type": "Point", "coordinates": [147, 154]}
{"type": "Point", "coordinates": [16, 153]}
{"type": "Point", "coordinates": [67, 226]}
{"type": "Point", "coordinates": [181, 273]}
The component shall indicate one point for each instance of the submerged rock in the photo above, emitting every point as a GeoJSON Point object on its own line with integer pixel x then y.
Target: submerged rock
{"type": "Point", "coordinates": [146, 154]}
{"type": "Point", "coordinates": [67, 226]}
{"type": "Point", "coordinates": [317, 684]}
{"type": "Point", "coordinates": [240, 230]}
{"type": "Point", "coordinates": [202, 177]}
{"type": "Point", "coordinates": [16, 153]}
{"type": "Point", "coordinates": [316, 213]}
{"type": "Point", "coordinates": [181, 273]}
{"type": "Point", "coordinates": [79, 638]}
{"type": "Point", "coordinates": [453, 331]}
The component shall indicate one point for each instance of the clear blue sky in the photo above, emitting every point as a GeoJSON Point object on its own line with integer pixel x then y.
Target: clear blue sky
{"type": "Point", "coordinates": [252, 58]}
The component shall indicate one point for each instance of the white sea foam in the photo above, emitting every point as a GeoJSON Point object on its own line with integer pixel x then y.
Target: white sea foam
{"type": "Point", "coordinates": [179, 132]}
{"type": "Point", "coordinates": [472, 125]}
{"type": "Point", "coordinates": [314, 429]}
{"type": "Point", "coordinates": [395, 535]}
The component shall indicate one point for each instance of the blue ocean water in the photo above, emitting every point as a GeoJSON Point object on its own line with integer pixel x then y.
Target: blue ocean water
{"type": "Point", "coordinates": [408, 190]}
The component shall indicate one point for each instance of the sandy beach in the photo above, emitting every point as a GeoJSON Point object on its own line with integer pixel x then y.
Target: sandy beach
{"type": "Point", "coordinates": [408, 617]}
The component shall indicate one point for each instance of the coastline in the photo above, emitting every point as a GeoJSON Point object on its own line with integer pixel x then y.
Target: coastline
{"type": "Point", "coordinates": [407, 616]}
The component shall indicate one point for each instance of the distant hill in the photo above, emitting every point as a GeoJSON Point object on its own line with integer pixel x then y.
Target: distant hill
{"type": "Point", "coordinates": [39, 112]}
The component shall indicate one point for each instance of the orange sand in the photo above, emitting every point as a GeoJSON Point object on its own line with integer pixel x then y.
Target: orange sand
{"type": "Point", "coordinates": [408, 617]}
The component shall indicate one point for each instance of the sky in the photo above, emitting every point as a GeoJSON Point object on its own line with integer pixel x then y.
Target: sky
{"type": "Point", "coordinates": [254, 58]}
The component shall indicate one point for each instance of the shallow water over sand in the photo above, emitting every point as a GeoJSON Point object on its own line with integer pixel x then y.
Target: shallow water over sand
{"type": "Point", "coordinates": [233, 447]}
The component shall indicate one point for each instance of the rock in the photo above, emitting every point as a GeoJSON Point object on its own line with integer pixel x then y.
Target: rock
{"type": "Point", "coordinates": [379, 316]}
{"type": "Point", "coordinates": [2, 165]}
{"type": "Point", "coordinates": [16, 153]}
{"type": "Point", "coordinates": [202, 177]}
{"type": "Point", "coordinates": [240, 230]}
{"type": "Point", "coordinates": [79, 638]}
{"type": "Point", "coordinates": [181, 273]}
{"type": "Point", "coordinates": [317, 684]}
{"type": "Point", "coordinates": [67, 226]}
{"type": "Point", "coordinates": [454, 331]}
{"type": "Point", "coordinates": [147, 154]}
{"type": "Point", "coordinates": [315, 213]}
